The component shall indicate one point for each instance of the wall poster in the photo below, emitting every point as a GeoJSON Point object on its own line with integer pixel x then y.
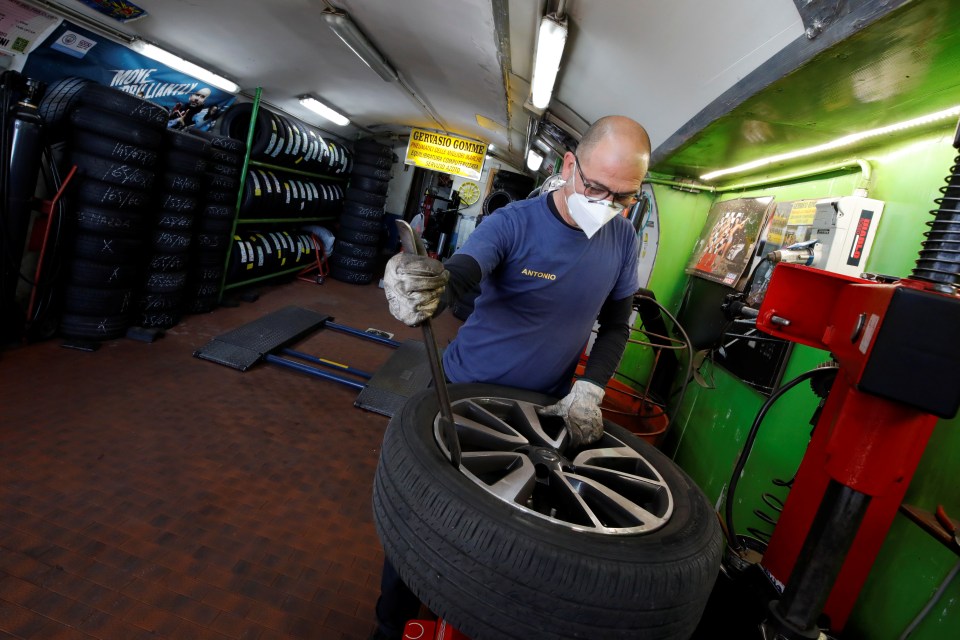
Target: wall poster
{"type": "Point", "coordinates": [726, 246]}
{"type": "Point", "coordinates": [73, 51]}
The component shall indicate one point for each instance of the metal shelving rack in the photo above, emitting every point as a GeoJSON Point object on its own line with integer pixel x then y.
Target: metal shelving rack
{"type": "Point", "coordinates": [237, 220]}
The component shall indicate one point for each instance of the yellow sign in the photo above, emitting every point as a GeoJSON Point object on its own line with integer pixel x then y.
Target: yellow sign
{"type": "Point", "coordinates": [802, 212]}
{"type": "Point", "coordinates": [447, 154]}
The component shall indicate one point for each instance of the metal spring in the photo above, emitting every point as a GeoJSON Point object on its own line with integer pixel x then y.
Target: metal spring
{"type": "Point", "coordinates": [774, 503]}
{"type": "Point", "coordinates": [939, 260]}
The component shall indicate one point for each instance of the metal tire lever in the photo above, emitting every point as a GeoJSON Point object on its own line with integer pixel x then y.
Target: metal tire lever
{"type": "Point", "coordinates": [411, 244]}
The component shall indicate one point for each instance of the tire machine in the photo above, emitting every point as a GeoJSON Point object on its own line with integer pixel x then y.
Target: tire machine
{"type": "Point", "coordinates": [898, 349]}
{"type": "Point", "coordinates": [21, 146]}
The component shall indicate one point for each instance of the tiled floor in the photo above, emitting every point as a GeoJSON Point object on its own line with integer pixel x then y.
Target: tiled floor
{"type": "Point", "coordinates": [145, 493]}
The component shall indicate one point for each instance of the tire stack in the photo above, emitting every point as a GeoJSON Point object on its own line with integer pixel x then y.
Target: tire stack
{"type": "Point", "coordinates": [256, 255]}
{"type": "Point", "coordinates": [286, 142]}
{"type": "Point", "coordinates": [181, 183]}
{"type": "Point", "coordinates": [357, 247]}
{"type": "Point", "coordinates": [269, 193]}
{"type": "Point", "coordinates": [295, 188]}
{"type": "Point", "coordinates": [214, 222]}
{"type": "Point", "coordinates": [115, 140]}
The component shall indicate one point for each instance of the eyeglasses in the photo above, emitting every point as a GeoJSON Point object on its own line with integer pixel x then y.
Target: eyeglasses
{"type": "Point", "coordinates": [596, 192]}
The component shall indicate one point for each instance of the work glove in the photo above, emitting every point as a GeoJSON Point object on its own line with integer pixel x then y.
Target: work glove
{"type": "Point", "coordinates": [580, 410]}
{"type": "Point", "coordinates": [413, 285]}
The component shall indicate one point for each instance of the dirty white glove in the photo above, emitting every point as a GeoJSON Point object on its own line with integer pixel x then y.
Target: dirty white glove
{"type": "Point", "coordinates": [413, 285]}
{"type": "Point", "coordinates": [580, 410]}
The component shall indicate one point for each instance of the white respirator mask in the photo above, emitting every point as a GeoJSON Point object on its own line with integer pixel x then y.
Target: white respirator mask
{"type": "Point", "coordinates": [590, 215]}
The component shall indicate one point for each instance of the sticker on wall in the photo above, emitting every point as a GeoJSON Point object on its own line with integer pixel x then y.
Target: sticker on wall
{"type": "Point", "coordinates": [117, 9]}
{"type": "Point", "coordinates": [646, 220]}
{"type": "Point", "coordinates": [791, 223]}
{"type": "Point", "coordinates": [73, 44]}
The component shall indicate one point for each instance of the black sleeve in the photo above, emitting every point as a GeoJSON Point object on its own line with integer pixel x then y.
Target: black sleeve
{"type": "Point", "coordinates": [465, 274]}
{"type": "Point", "coordinates": [614, 320]}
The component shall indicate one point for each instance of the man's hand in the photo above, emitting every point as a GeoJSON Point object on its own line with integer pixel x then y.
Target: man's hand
{"type": "Point", "coordinates": [413, 285]}
{"type": "Point", "coordinates": [580, 410]}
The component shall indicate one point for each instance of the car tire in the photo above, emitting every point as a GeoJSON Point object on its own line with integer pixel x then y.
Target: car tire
{"type": "Point", "coordinates": [59, 100]}
{"type": "Point", "coordinates": [113, 149]}
{"type": "Point", "coordinates": [115, 101]}
{"type": "Point", "coordinates": [116, 126]}
{"type": "Point", "coordinates": [497, 570]}
{"type": "Point", "coordinates": [350, 276]}
{"type": "Point", "coordinates": [364, 197]}
{"type": "Point", "coordinates": [93, 327]}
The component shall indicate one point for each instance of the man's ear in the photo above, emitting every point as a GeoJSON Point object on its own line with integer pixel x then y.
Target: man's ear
{"type": "Point", "coordinates": [566, 169]}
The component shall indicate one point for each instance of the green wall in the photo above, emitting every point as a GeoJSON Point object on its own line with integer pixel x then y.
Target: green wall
{"type": "Point", "coordinates": [710, 427]}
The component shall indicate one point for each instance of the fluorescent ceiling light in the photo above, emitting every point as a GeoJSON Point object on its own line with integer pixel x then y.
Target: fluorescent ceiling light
{"type": "Point", "coordinates": [185, 66]}
{"type": "Point", "coordinates": [345, 28]}
{"type": "Point", "coordinates": [550, 42]}
{"type": "Point", "coordinates": [321, 109]}
{"type": "Point", "coordinates": [952, 112]}
{"type": "Point", "coordinates": [534, 160]}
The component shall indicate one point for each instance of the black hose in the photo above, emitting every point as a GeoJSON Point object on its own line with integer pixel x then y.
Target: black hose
{"type": "Point", "coordinates": [733, 540]}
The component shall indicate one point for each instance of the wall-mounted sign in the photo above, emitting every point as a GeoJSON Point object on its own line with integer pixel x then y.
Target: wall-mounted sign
{"type": "Point", "coordinates": [447, 154]}
{"type": "Point", "coordinates": [22, 27]}
{"type": "Point", "coordinates": [117, 9]}
{"type": "Point", "coordinates": [72, 51]}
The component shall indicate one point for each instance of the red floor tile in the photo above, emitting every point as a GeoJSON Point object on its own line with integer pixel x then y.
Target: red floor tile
{"type": "Point", "coordinates": [147, 493]}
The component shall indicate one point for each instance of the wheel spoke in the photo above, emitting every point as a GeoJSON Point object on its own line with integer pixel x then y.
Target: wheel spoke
{"type": "Point", "coordinates": [480, 429]}
{"type": "Point", "coordinates": [610, 508]}
{"type": "Point", "coordinates": [509, 476]}
{"type": "Point", "coordinates": [518, 456]}
{"type": "Point", "coordinates": [544, 431]}
{"type": "Point", "coordinates": [568, 504]}
{"type": "Point", "coordinates": [628, 483]}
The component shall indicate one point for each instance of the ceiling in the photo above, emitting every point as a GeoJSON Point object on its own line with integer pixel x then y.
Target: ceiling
{"type": "Point", "coordinates": [643, 58]}
{"type": "Point", "coordinates": [465, 66]}
{"type": "Point", "coordinates": [904, 66]}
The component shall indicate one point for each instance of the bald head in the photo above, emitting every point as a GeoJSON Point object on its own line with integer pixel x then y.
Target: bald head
{"type": "Point", "coordinates": [199, 96]}
{"type": "Point", "coordinates": [613, 157]}
{"type": "Point", "coordinates": [620, 137]}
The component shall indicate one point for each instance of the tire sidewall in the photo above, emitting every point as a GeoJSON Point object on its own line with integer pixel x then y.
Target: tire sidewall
{"type": "Point", "coordinates": [415, 428]}
{"type": "Point", "coordinates": [689, 543]}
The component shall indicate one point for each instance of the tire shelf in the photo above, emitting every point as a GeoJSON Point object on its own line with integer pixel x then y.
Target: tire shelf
{"type": "Point", "coordinates": [283, 220]}
{"type": "Point", "coordinates": [318, 176]}
{"type": "Point", "coordinates": [237, 220]}
{"type": "Point", "coordinates": [243, 283]}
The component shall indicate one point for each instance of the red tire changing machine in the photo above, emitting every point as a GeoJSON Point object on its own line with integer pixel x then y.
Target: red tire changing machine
{"type": "Point", "coordinates": [897, 345]}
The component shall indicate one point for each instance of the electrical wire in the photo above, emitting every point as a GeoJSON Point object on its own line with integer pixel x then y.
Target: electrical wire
{"type": "Point", "coordinates": [933, 601]}
{"type": "Point", "coordinates": [733, 540]}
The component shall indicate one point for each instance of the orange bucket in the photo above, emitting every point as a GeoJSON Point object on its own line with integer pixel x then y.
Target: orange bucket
{"type": "Point", "coordinates": [633, 411]}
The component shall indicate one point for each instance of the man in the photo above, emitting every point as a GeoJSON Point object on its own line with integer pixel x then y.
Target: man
{"type": "Point", "coordinates": [182, 115]}
{"type": "Point", "coordinates": [548, 268]}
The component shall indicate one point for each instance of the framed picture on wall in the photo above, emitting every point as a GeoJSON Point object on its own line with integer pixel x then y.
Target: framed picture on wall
{"type": "Point", "coordinates": [729, 237]}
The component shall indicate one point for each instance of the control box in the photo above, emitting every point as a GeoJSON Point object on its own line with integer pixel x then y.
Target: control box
{"type": "Point", "coordinates": [845, 228]}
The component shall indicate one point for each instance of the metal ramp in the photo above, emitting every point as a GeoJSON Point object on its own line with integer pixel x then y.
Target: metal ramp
{"type": "Point", "coordinates": [245, 346]}
{"type": "Point", "coordinates": [405, 373]}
